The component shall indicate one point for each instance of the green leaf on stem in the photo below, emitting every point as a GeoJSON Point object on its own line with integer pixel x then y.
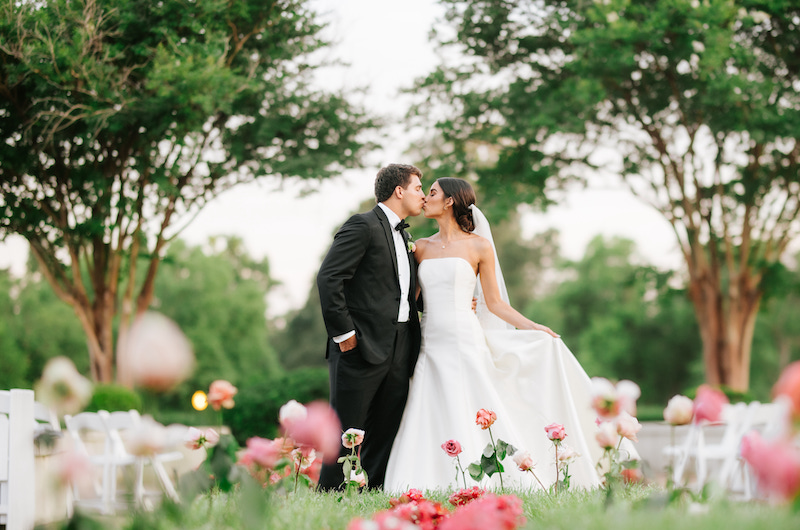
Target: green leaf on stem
{"type": "Point", "coordinates": [475, 471]}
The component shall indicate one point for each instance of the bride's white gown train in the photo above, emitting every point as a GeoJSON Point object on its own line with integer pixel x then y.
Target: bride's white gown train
{"type": "Point", "coordinates": [528, 378]}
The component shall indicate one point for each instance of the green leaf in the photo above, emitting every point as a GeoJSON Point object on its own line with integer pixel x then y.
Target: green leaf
{"type": "Point", "coordinates": [475, 471]}
{"type": "Point", "coordinates": [490, 465]}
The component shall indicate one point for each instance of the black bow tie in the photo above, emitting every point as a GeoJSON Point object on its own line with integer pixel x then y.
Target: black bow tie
{"type": "Point", "coordinates": [402, 225]}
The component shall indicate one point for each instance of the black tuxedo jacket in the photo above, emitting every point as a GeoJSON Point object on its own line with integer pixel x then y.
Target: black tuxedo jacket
{"type": "Point", "coordinates": [359, 288]}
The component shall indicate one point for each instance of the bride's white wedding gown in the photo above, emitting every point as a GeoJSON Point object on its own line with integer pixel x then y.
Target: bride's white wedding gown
{"type": "Point", "coordinates": [528, 378]}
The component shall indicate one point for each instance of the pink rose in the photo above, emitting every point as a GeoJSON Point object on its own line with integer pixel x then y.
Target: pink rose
{"type": "Point", "coordinates": [320, 429]}
{"type": "Point", "coordinates": [628, 426]}
{"type": "Point", "coordinates": [485, 418]}
{"type": "Point", "coordinates": [776, 464]}
{"type": "Point", "coordinates": [352, 437]}
{"type": "Point", "coordinates": [607, 436]}
{"type": "Point", "coordinates": [524, 460]}
{"type": "Point", "coordinates": [452, 448]}
{"type": "Point", "coordinates": [556, 432]}
{"type": "Point", "coordinates": [220, 394]}
{"type": "Point", "coordinates": [789, 385]}
{"type": "Point", "coordinates": [708, 404]}
{"type": "Point", "coordinates": [679, 411]}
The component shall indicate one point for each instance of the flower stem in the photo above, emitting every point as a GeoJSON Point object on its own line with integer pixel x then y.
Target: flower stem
{"type": "Point", "coordinates": [539, 481]}
{"type": "Point", "coordinates": [558, 473]}
{"type": "Point", "coordinates": [494, 446]}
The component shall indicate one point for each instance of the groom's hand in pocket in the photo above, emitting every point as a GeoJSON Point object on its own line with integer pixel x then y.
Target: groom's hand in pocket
{"type": "Point", "coordinates": [348, 344]}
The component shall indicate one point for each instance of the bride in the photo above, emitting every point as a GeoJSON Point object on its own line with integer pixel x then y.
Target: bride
{"type": "Point", "coordinates": [471, 360]}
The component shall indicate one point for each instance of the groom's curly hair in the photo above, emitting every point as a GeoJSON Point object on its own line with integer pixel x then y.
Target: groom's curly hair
{"type": "Point", "coordinates": [463, 197]}
{"type": "Point", "coordinates": [391, 176]}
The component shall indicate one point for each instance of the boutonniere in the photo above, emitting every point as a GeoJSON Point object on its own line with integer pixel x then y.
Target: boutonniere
{"type": "Point", "coordinates": [410, 244]}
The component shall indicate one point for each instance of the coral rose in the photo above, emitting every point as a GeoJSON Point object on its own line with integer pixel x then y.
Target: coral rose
{"type": "Point", "coordinates": [452, 448]}
{"type": "Point", "coordinates": [485, 418]}
{"type": "Point", "coordinates": [220, 394]}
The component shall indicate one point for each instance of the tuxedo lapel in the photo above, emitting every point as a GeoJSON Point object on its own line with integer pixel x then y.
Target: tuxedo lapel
{"type": "Point", "coordinates": [387, 232]}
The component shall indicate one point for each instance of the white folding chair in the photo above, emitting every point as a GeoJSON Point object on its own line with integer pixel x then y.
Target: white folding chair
{"type": "Point", "coordinates": [87, 431]}
{"type": "Point", "coordinates": [736, 420]}
{"type": "Point", "coordinates": [120, 421]}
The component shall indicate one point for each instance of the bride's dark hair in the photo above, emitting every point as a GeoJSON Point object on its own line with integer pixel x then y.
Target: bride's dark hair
{"type": "Point", "coordinates": [463, 197]}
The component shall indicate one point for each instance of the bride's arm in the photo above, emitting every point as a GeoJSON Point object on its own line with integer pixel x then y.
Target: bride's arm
{"type": "Point", "coordinates": [491, 294]}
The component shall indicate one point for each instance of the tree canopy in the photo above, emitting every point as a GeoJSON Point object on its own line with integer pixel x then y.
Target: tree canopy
{"type": "Point", "coordinates": [695, 104]}
{"type": "Point", "coordinates": [119, 119]}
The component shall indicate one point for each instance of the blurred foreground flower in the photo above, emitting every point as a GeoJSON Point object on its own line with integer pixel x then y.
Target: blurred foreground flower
{"type": "Point", "coordinates": [776, 464]}
{"type": "Point", "coordinates": [628, 426]}
{"type": "Point", "coordinates": [489, 512]}
{"type": "Point", "coordinates": [788, 385]}
{"type": "Point", "coordinates": [156, 355]}
{"type": "Point", "coordinates": [320, 429]}
{"type": "Point", "coordinates": [708, 404]}
{"type": "Point", "coordinates": [62, 388]}
{"type": "Point", "coordinates": [150, 437]}
{"type": "Point", "coordinates": [679, 411]}
{"type": "Point", "coordinates": [220, 394]}
{"type": "Point", "coordinates": [197, 438]}
{"type": "Point", "coordinates": [291, 411]}
{"type": "Point", "coordinates": [609, 400]}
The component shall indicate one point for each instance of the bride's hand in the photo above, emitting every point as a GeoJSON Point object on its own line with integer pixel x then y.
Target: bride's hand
{"type": "Point", "coordinates": [539, 327]}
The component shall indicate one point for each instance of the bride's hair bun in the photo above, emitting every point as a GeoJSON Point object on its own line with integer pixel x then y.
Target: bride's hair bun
{"type": "Point", "coordinates": [463, 197]}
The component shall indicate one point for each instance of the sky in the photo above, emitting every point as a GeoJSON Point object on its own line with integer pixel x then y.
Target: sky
{"type": "Point", "coordinates": [386, 45]}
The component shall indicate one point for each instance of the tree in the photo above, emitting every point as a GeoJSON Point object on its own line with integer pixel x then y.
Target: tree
{"type": "Point", "coordinates": [121, 118]}
{"type": "Point", "coordinates": [218, 298]}
{"type": "Point", "coordinates": [622, 319]}
{"type": "Point", "coordinates": [695, 104]}
{"type": "Point", "coordinates": [13, 362]}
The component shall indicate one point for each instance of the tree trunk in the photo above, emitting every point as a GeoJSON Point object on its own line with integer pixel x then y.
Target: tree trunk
{"type": "Point", "coordinates": [727, 322]}
{"type": "Point", "coordinates": [99, 339]}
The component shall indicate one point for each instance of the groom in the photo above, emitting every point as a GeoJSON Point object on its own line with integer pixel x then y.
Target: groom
{"type": "Point", "coordinates": [367, 285]}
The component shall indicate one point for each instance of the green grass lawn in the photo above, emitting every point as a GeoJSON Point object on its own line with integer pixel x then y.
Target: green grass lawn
{"type": "Point", "coordinates": [631, 508]}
